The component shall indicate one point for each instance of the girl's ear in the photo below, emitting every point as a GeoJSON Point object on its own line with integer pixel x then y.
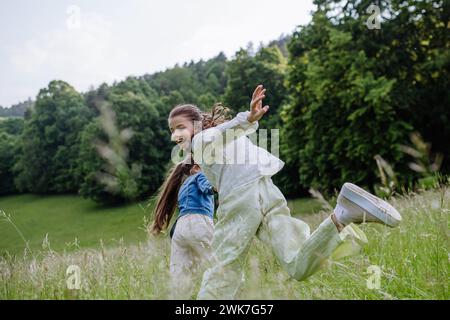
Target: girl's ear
{"type": "Point", "coordinates": [195, 168]}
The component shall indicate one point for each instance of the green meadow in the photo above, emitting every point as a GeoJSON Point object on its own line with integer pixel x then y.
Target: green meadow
{"type": "Point", "coordinates": [69, 222]}
{"type": "Point", "coordinates": [118, 260]}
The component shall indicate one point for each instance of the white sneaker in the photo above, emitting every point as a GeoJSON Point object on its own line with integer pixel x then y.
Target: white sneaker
{"type": "Point", "coordinates": [356, 205]}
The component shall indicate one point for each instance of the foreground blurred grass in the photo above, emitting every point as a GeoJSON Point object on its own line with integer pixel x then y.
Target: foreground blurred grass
{"type": "Point", "coordinates": [413, 258]}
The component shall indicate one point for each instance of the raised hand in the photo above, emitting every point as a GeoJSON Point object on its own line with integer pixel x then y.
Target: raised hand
{"type": "Point", "coordinates": [256, 109]}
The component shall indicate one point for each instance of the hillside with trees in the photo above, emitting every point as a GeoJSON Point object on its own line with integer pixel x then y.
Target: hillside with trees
{"type": "Point", "coordinates": [341, 94]}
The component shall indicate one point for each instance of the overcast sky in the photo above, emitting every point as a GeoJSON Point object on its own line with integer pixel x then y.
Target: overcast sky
{"type": "Point", "coordinates": [89, 42]}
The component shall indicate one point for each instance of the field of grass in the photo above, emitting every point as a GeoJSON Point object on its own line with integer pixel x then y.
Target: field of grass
{"type": "Point", "coordinates": [413, 258]}
{"type": "Point", "coordinates": [70, 222]}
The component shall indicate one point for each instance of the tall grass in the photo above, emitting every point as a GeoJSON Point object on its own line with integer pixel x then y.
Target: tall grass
{"type": "Point", "coordinates": [413, 259]}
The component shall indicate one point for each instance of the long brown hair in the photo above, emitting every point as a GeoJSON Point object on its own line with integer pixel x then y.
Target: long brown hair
{"type": "Point", "coordinates": [167, 198]}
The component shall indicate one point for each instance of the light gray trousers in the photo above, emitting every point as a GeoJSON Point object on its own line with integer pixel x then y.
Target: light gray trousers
{"type": "Point", "coordinates": [190, 253]}
{"type": "Point", "coordinates": [259, 208]}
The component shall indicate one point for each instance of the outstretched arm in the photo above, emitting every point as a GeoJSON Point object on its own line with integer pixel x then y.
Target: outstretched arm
{"type": "Point", "coordinates": [244, 124]}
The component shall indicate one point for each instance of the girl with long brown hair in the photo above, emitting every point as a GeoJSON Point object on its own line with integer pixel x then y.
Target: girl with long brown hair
{"type": "Point", "coordinates": [187, 188]}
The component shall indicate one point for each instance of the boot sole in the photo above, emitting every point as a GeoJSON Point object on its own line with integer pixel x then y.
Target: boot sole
{"type": "Point", "coordinates": [377, 207]}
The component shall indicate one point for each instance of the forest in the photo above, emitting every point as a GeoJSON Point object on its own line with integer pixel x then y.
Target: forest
{"type": "Point", "coordinates": [370, 106]}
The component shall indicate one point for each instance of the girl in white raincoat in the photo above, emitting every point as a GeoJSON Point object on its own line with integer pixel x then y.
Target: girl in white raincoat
{"type": "Point", "coordinates": [250, 204]}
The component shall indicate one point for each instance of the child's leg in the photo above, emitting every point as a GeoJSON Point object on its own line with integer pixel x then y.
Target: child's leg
{"type": "Point", "coordinates": [201, 241]}
{"type": "Point", "coordinates": [181, 263]}
{"type": "Point", "coordinates": [300, 253]}
{"type": "Point", "coordinates": [180, 271]}
{"type": "Point", "coordinates": [239, 216]}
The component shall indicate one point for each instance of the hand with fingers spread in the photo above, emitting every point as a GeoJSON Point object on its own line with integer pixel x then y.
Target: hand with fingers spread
{"type": "Point", "coordinates": [256, 109]}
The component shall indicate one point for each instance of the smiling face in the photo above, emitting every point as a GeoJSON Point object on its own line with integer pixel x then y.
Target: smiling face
{"type": "Point", "coordinates": [182, 130]}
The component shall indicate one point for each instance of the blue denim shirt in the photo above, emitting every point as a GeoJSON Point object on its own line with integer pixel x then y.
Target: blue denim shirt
{"type": "Point", "coordinates": [196, 195]}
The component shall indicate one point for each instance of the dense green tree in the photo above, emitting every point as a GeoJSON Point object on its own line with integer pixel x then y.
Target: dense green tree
{"type": "Point", "coordinates": [10, 130]}
{"type": "Point", "coordinates": [245, 71]}
{"type": "Point", "coordinates": [137, 108]}
{"type": "Point", "coordinates": [206, 101]}
{"type": "Point", "coordinates": [191, 81]}
{"type": "Point", "coordinates": [8, 156]}
{"type": "Point", "coordinates": [341, 115]}
{"type": "Point", "coordinates": [13, 126]}
{"type": "Point", "coordinates": [411, 47]}
{"type": "Point", "coordinates": [49, 145]}
{"type": "Point", "coordinates": [357, 92]}
{"type": "Point", "coordinates": [94, 97]}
